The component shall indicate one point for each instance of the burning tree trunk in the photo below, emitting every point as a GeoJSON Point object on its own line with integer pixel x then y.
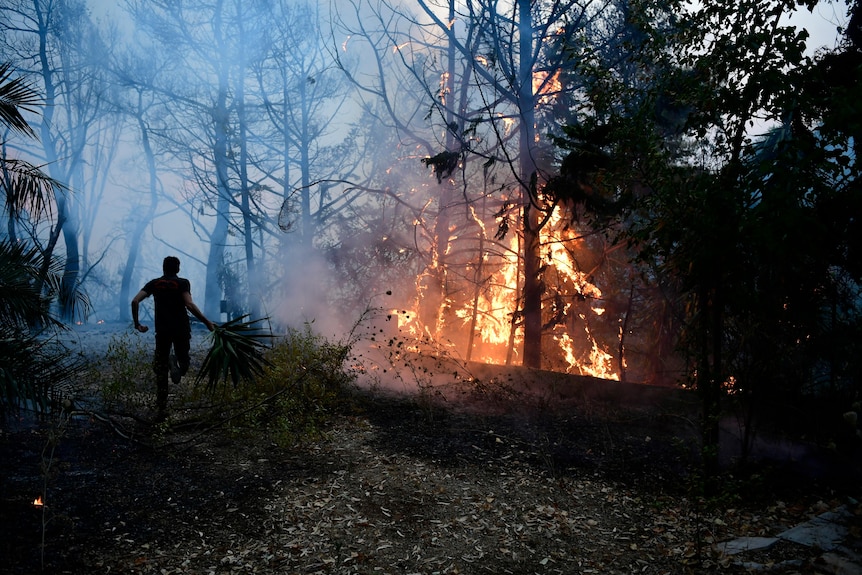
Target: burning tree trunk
{"type": "Point", "coordinates": [435, 302]}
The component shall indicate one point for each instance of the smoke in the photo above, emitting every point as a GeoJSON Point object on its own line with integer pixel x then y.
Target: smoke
{"type": "Point", "coordinates": [302, 295]}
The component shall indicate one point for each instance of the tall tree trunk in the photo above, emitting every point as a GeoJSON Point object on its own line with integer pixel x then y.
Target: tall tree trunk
{"type": "Point", "coordinates": [532, 311]}
{"type": "Point", "coordinates": [218, 238]}
{"type": "Point", "coordinates": [140, 225]}
{"type": "Point", "coordinates": [434, 299]}
{"type": "Point", "coordinates": [254, 282]}
{"type": "Point", "coordinates": [709, 380]}
{"type": "Point", "coordinates": [72, 266]}
{"type": "Point", "coordinates": [624, 329]}
{"type": "Point", "coordinates": [11, 213]}
{"type": "Point", "coordinates": [305, 170]}
{"type": "Point", "coordinates": [480, 269]}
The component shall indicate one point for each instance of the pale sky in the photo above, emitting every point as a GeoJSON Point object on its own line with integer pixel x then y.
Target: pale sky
{"type": "Point", "coordinates": [822, 24]}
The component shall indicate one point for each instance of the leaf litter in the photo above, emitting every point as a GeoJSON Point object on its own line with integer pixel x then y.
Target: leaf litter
{"type": "Point", "coordinates": [394, 488]}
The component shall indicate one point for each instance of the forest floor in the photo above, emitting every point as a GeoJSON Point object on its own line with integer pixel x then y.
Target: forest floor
{"type": "Point", "coordinates": [513, 471]}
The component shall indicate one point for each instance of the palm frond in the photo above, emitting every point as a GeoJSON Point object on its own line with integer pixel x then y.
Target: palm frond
{"type": "Point", "coordinates": [34, 369]}
{"type": "Point", "coordinates": [236, 353]}
{"type": "Point", "coordinates": [16, 95]}
{"type": "Point", "coordinates": [27, 188]}
{"type": "Point", "coordinates": [21, 304]}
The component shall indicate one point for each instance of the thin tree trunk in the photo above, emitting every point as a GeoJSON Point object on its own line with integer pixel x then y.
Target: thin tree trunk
{"type": "Point", "coordinates": [532, 216]}
{"type": "Point", "coordinates": [253, 281]}
{"type": "Point", "coordinates": [621, 352]}
{"type": "Point", "coordinates": [218, 239]}
{"type": "Point", "coordinates": [140, 225]}
{"type": "Point", "coordinates": [477, 281]}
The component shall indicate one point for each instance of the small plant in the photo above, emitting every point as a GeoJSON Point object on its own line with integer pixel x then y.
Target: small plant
{"type": "Point", "coordinates": [49, 470]}
{"type": "Point", "coordinates": [119, 374]}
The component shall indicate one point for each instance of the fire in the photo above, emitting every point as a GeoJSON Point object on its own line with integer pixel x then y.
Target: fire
{"type": "Point", "coordinates": [494, 309]}
{"type": "Point", "coordinates": [481, 320]}
{"type": "Point", "coordinates": [444, 87]}
{"type": "Point", "coordinates": [559, 242]}
{"type": "Point", "coordinates": [546, 86]}
{"type": "Point", "coordinates": [508, 124]}
{"type": "Point", "coordinates": [491, 312]}
{"type": "Point", "coordinates": [38, 502]}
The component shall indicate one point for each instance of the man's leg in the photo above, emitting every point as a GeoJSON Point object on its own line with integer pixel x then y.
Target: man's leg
{"type": "Point", "coordinates": [161, 368]}
{"type": "Point", "coordinates": [182, 344]}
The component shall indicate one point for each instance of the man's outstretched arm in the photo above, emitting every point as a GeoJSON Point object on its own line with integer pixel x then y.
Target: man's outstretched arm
{"type": "Point", "coordinates": [190, 305]}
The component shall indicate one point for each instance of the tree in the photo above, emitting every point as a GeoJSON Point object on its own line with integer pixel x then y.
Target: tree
{"type": "Point", "coordinates": [710, 208]}
{"type": "Point", "coordinates": [311, 150]}
{"type": "Point", "coordinates": [135, 99]}
{"type": "Point", "coordinates": [31, 365]}
{"type": "Point", "coordinates": [249, 105]}
{"type": "Point", "coordinates": [58, 44]}
{"type": "Point", "coordinates": [488, 76]}
{"type": "Point", "coordinates": [197, 86]}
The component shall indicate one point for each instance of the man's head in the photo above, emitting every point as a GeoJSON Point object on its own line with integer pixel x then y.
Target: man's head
{"type": "Point", "coordinates": [171, 265]}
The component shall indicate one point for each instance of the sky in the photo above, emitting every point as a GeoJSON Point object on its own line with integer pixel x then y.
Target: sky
{"type": "Point", "coordinates": [822, 24]}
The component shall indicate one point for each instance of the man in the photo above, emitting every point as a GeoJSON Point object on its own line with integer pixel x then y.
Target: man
{"type": "Point", "coordinates": [172, 296]}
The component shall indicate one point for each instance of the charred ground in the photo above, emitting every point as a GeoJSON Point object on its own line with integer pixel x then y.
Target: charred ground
{"type": "Point", "coordinates": [513, 471]}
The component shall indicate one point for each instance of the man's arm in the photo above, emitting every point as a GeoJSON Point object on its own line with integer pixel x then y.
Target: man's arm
{"type": "Point", "coordinates": [136, 302]}
{"type": "Point", "coordinates": [190, 305]}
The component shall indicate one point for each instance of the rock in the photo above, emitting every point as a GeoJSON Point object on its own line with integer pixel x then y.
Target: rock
{"type": "Point", "coordinates": [744, 544]}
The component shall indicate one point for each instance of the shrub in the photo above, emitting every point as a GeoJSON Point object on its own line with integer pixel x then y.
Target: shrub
{"type": "Point", "coordinates": [301, 385]}
{"type": "Point", "coordinates": [124, 372]}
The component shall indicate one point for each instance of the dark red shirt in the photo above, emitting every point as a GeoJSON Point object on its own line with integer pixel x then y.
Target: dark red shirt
{"type": "Point", "coordinates": [171, 316]}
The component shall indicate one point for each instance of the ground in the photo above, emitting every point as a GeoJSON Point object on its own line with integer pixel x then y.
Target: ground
{"type": "Point", "coordinates": [513, 471]}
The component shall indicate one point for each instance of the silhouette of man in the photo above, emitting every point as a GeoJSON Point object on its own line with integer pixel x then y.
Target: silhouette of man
{"type": "Point", "coordinates": [172, 296]}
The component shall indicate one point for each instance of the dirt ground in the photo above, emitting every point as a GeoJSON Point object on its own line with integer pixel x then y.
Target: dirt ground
{"type": "Point", "coordinates": [512, 471]}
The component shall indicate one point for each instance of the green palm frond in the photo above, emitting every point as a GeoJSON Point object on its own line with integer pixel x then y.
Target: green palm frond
{"type": "Point", "coordinates": [237, 352]}
{"type": "Point", "coordinates": [16, 95]}
{"type": "Point", "coordinates": [27, 188]}
{"type": "Point", "coordinates": [21, 304]}
{"type": "Point", "coordinates": [35, 369]}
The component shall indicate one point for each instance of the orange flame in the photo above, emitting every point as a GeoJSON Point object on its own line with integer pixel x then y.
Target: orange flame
{"type": "Point", "coordinates": [444, 87]}
{"type": "Point", "coordinates": [580, 352]}
{"type": "Point", "coordinates": [546, 86]}
{"type": "Point", "coordinates": [38, 502]}
{"type": "Point", "coordinates": [485, 320]}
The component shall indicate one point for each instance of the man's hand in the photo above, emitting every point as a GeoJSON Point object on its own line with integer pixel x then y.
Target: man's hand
{"type": "Point", "coordinates": [210, 325]}
{"type": "Point", "coordinates": [142, 328]}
